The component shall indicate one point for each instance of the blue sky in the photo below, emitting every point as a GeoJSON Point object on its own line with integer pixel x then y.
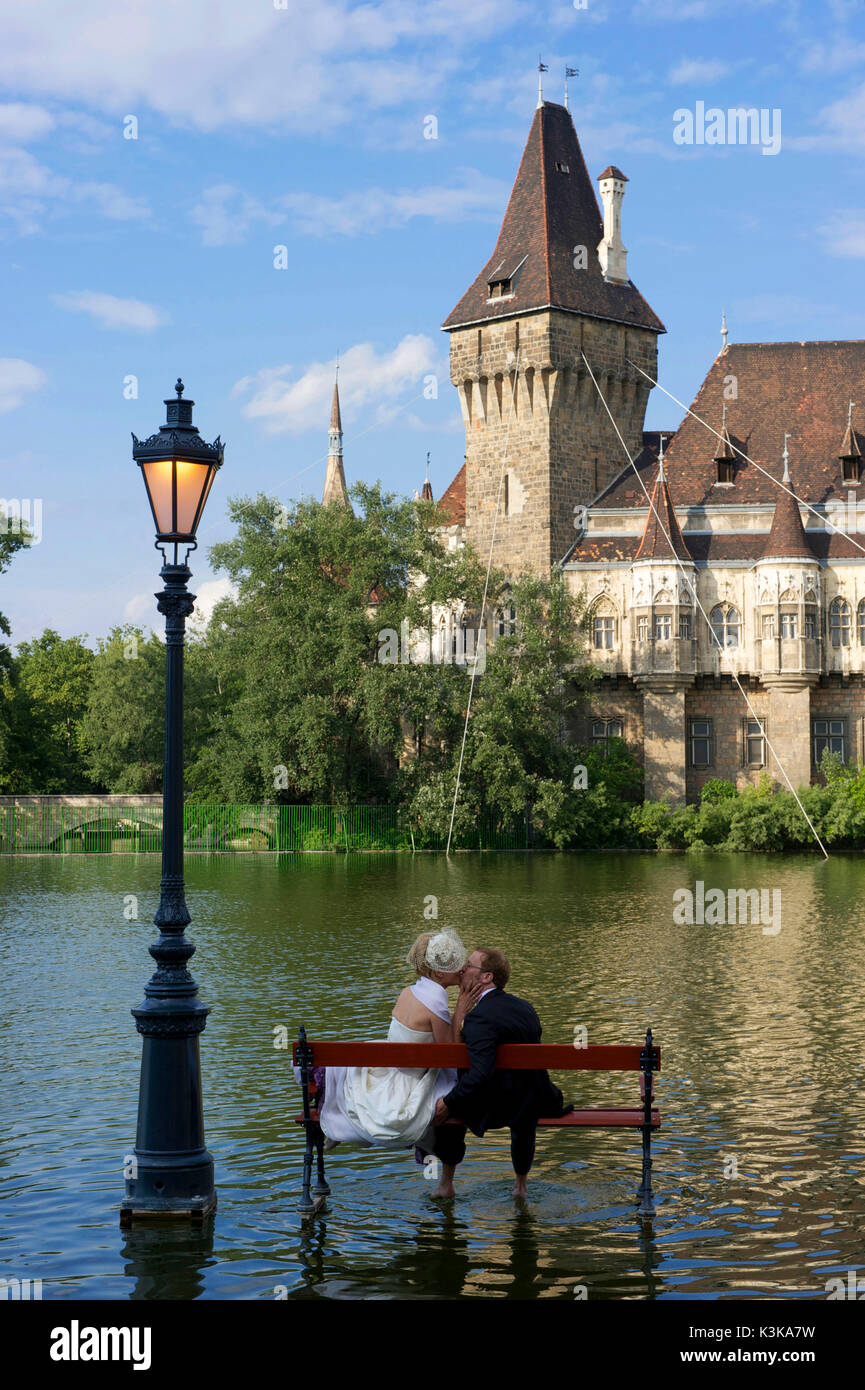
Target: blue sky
{"type": "Point", "coordinates": [304, 126]}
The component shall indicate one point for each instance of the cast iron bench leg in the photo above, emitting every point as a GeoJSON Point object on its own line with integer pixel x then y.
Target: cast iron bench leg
{"type": "Point", "coordinates": [306, 1205]}
{"type": "Point", "coordinates": [322, 1186]}
{"type": "Point", "coordinates": [644, 1191]}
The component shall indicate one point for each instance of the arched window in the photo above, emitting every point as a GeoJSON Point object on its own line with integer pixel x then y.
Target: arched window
{"type": "Point", "coordinates": [506, 616]}
{"type": "Point", "coordinates": [839, 622]}
{"type": "Point", "coordinates": [725, 625]}
{"type": "Point", "coordinates": [603, 626]}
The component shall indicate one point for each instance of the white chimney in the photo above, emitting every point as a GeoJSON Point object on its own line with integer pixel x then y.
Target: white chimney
{"type": "Point", "coordinates": [611, 253]}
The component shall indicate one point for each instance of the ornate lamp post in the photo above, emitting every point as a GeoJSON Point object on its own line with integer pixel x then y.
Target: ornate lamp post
{"type": "Point", "coordinates": [173, 1169]}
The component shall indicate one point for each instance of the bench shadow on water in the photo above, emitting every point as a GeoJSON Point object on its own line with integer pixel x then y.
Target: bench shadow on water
{"type": "Point", "coordinates": [759, 1173]}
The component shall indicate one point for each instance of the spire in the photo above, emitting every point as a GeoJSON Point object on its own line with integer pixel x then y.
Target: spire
{"type": "Point", "coordinates": [552, 220]}
{"type": "Point", "coordinates": [542, 68]}
{"type": "Point", "coordinates": [427, 492]}
{"type": "Point", "coordinates": [723, 329]}
{"type": "Point", "coordinates": [335, 489]}
{"type": "Point", "coordinates": [335, 417]}
{"type": "Point", "coordinates": [662, 518]}
{"type": "Point", "coordinates": [787, 540]}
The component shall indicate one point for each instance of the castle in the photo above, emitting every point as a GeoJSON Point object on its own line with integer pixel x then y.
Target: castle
{"type": "Point", "coordinates": [728, 620]}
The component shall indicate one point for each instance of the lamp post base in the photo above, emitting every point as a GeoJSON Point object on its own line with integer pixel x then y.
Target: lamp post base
{"type": "Point", "coordinates": [133, 1210]}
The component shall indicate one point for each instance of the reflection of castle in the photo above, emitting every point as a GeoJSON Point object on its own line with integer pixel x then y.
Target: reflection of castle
{"type": "Point", "coordinates": [786, 599]}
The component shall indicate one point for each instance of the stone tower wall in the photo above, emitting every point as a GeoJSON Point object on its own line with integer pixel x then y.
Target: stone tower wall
{"type": "Point", "coordinates": [561, 447]}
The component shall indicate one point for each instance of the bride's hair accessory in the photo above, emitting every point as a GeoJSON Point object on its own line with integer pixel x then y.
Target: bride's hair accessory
{"type": "Point", "coordinates": [440, 950]}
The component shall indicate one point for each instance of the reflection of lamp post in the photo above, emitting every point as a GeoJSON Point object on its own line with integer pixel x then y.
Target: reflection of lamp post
{"type": "Point", "coordinates": [173, 1172]}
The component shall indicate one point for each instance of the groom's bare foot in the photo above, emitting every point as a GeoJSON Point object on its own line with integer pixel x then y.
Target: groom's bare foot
{"type": "Point", "coordinates": [521, 1188]}
{"type": "Point", "coordinates": [444, 1189]}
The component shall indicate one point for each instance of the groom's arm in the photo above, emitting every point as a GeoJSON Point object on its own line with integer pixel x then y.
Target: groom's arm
{"type": "Point", "coordinates": [481, 1040]}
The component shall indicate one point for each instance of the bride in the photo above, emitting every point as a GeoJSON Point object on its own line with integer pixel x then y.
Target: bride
{"type": "Point", "coordinates": [393, 1107]}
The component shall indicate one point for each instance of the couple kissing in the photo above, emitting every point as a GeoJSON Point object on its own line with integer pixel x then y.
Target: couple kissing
{"type": "Point", "coordinates": [431, 1108]}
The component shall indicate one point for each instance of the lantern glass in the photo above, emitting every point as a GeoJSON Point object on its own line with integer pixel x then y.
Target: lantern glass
{"type": "Point", "coordinates": [177, 489]}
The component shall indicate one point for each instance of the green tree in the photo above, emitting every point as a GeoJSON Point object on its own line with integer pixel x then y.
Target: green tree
{"type": "Point", "coordinates": [124, 723]}
{"type": "Point", "coordinates": [14, 730]}
{"type": "Point", "coordinates": [294, 653]}
{"type": "Point", "coordinates": [518, 754]}
{"type": "Point", "coordinates": [54, 677]}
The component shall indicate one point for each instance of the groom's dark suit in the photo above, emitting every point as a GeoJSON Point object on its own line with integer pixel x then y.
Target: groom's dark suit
{"type": "Point", "coordinates": [484, 1098]}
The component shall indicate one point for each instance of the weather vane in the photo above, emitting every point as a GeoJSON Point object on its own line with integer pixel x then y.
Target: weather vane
{"type": "Point", "coordinates": [569, 72]}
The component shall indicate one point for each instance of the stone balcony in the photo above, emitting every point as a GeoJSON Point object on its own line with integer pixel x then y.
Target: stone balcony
{"type": "Point", "coordinates": [782, 656]}
{"type": "Point", "coordinates": [664, 656]}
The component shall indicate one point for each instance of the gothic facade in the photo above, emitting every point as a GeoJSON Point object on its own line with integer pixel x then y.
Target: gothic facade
{"type": "Point", "coordinates": [720, 562]}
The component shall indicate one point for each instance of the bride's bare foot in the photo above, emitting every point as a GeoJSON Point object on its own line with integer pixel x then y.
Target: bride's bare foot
{"type": "Point", "coordinates": [521, 1188]}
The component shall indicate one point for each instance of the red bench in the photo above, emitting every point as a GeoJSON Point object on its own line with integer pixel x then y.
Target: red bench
{"type": "Point", "coordinates": [513, 1056]}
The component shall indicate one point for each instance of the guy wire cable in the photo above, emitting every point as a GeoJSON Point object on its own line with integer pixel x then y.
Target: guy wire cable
{"type": "Point", "coordinates": [484, 600]}
{"type": "Point", "coordinates": [693, 588]}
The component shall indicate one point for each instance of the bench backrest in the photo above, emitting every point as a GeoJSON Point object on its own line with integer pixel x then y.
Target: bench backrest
{"type": "Point", "coordinates": [513, 1056]}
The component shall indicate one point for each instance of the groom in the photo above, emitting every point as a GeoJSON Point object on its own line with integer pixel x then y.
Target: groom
{"type": "Point", "coordinates": [483, 1097]}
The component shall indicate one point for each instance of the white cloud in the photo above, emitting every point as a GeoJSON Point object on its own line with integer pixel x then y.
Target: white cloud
{"type": "Point", "coordinates": [141, 610]}
{"type": "Point", "coordinates": [209, 65]}
{"type": "Point", "coordinates": [28, 189]}
{"type": "Point", "coordinates": [844, 235]}
{"type": "Point", "coordinates": [837, 56]}
{"type": "Point", "coordinates": [22, 121]}
{"type": "Point", "coordinates": [207, 596]}
{"type": "Point", "coordinates": [365, 377]}
{"type": "Point", "coordinates": [225, 214]}
{"type": "Point", "coordinates": [691, 70]}
{"type": "Point", "coordinates": [111, 312]}
{"type": "Point", "coordinates": [18, 379]}
{"type": "Point", "coordinates": [844, 122]}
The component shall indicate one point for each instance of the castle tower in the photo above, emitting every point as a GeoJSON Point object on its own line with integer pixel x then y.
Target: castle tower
{"type": "Point", "coordinates": [662, 613]}
{"type": "Point", "coordinates": [542, 300]}
{"type": "Point", "coordinates": [335, 489]}
{"type": "Point", "coordinates": [787, 590]}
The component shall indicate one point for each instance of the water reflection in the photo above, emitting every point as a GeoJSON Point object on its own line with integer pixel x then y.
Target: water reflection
{"type": "Point", "coordinates": [759, 1169]}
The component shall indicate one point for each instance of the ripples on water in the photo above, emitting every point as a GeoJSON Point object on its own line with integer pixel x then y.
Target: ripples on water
{"type": "Point", "coordinates": [762, 1075]}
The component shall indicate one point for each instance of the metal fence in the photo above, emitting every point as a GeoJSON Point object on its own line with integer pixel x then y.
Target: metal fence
{"type": "Point", "coordinates": [232, 829]}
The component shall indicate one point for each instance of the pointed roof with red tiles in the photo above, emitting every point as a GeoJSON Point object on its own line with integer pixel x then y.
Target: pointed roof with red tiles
{"type": "Point", "coordinates": [453, 499]}
{"type": "Point", "coordinates": [662, 525]}
{"type": "Point", "coordinates": [552, 210]}
{"type": "Point", "coordinates": [787, 540]}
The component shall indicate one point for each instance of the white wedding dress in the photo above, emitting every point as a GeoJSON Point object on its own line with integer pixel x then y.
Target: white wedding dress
{"type": "Point", "coordinates": [389, 1107]}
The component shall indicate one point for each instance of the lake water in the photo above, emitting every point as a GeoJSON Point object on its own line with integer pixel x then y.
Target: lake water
{"type": "Point", "coordinates": [759, 1170]}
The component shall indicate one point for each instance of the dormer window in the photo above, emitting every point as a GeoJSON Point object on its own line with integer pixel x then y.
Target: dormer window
{"type": "Point", "coordinates": [562, 168]}
{"type": "Point", "coordinates": [726, 469]}
{"type": "Point", "coordinates": [503, 278]}
{"type": "Point", "coordinates": [850, 470]}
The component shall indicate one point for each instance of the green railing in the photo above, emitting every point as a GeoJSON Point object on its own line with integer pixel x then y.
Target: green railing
{"type": "Point", "coordinates": [233, 829]}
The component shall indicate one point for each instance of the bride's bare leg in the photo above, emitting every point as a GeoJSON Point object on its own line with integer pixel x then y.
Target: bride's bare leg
{"type": "Point", "coordinates": [445, 1185]}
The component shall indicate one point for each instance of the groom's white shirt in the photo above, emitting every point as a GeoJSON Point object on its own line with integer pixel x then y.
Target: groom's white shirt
{"type": "Point", "coordinates": [489, 989]}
